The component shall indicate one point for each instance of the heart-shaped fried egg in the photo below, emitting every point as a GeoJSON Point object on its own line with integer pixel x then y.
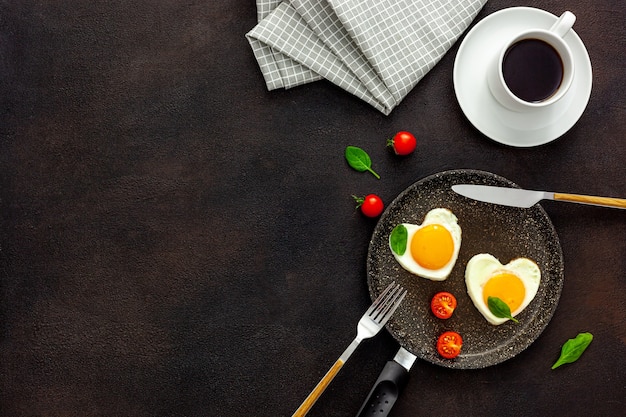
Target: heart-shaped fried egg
{"type": "Point", "coordinates": [515, 283]}
{"type": "Point", "coordinates": [429, 250]}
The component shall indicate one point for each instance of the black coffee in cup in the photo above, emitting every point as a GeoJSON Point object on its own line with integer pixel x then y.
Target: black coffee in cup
{"type": "Point", "coordinates": [532, 70]}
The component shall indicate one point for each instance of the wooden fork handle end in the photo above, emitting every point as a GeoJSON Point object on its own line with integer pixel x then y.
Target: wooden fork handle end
{"type": "Point", "coordinates": [318, 390]}
{"type": "Point", "coordinates": [587, 199]}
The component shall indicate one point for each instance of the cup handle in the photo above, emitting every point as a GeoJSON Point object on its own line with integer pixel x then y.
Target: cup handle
{"type": "Point", "coordinates": [563, 24]}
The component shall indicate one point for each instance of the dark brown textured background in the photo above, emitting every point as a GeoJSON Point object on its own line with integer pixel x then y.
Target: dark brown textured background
{"type": "Point", "coordinates": [177, 241]}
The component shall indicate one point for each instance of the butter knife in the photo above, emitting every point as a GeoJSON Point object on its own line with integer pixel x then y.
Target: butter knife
{"type": "Point", "coordinates": [516, 197]}
{"type": "Point", "coordinates": [388, 386]}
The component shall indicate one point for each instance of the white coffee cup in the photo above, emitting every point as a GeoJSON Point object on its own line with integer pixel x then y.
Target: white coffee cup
{"type": "Point", "coordinates": [526, 73]}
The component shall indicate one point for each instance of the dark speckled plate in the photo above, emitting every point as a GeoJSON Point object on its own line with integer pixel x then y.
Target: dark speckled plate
{"type": "Point", "coordinates": [505, 232]}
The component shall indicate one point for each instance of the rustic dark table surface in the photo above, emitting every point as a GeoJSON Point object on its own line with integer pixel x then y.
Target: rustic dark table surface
{"type": "Point", "coordinates": [177, 241]}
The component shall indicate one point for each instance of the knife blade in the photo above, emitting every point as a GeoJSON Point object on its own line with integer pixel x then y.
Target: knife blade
{"type": "Point", "coordinates": [388, 386]}
{"type": "Point", "coordinates": [516, 197]}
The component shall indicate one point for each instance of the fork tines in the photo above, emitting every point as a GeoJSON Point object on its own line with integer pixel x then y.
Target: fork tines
{"type": "Point", "coordinates": [386, 303]}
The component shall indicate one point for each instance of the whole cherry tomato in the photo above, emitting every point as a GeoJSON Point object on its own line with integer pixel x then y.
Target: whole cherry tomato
{"type": "Point", "coordinates": [371, 205]}
{"type": "Point", "coordinates": [403, 143]}
{"type": "Point", "coordinates": [449, 344]}
{"type": "Point", "coordinates": [443, 304]}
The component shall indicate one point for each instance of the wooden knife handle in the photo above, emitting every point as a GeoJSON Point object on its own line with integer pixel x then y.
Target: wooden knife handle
{"type": "Point", "coordinates": [588, 199]}
{"type": "Point", "coordinates": [318, 390]}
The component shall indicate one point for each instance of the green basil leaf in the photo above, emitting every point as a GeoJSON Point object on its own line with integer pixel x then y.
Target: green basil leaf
{"type": "Point", "coordinates": [398, 239]}
{"type": "Point", "coordinates": [500, 309]}
{"type": "Point", "coordinates": [359, 160]}
{"type": "Point", "coordinates": [573, 349]}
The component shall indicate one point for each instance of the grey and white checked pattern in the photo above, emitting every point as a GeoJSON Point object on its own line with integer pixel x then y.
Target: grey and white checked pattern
{"type": "Point", "coordinates": [279, 71]}
{"type": "Point", "coordinates": [377, 50]}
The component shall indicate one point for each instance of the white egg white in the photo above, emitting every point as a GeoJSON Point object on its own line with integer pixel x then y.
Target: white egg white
{"type": "Point", "coordinates": [440, 216]}
{"type": "Point", "coordinates": [483, 266]}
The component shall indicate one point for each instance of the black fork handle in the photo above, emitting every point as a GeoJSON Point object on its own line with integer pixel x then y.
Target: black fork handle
{"type": "Point", "coordinates": [386, 391]}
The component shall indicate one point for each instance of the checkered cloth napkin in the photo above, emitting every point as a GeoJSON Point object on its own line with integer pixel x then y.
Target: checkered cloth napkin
{"type": "Point", "coordinates": [377, 50]}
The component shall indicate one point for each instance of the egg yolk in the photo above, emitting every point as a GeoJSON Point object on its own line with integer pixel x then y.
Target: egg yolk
{"type": "Point", "coordinates": [507, 287]}
{"type": "Point", "coordinates": [432, 246]}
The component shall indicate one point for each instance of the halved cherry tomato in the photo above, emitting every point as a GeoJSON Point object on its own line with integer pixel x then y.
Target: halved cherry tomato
{"type": "Point", "coordinates": [443, 304]}
{"type": "Point", "coordinates": [371, 205]}
{"type": "Point", "coordinates": [403, 143]}
{"type": "Point", "coordinates": [449, 344]}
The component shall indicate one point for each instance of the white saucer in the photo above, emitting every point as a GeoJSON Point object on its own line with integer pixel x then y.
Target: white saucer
{"type": "Point", "coordinates": [526, 129]}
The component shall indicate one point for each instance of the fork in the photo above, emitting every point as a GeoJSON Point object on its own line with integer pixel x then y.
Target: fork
{"type": "Point", "coordinates": [370, 324]}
